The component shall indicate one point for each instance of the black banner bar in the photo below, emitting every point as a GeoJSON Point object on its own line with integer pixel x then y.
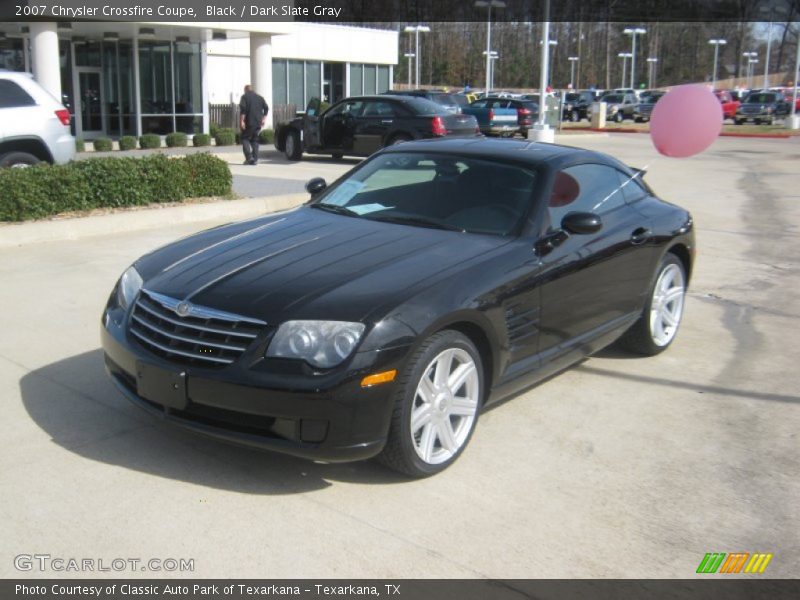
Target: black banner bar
{"type": "Point", "coordinates": [735, 588]}
{"type": "Point", "coordinates": [373, 11]}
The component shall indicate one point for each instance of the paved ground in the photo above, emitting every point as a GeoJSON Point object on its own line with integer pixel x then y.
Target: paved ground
{"type": "Point", "coordinates": [620, 467]}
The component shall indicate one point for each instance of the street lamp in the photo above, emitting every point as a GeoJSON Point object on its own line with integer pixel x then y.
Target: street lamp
{"type": "Point", "coordinates": [749, 56]}
{"type": "Point", "coordinates": [489, 4]}
{"type": "Point", "coordinates": [409, 56]}
{"type": "Point", "coordinates": [550, 44]}
{"type": "Point", "coordinates": [416, 29]}
{"type": "Point", "coordinates": [750, 70]}
{"type": "Point", "coordinates": [633, 32]}
{"type": "Point", "coordinates": [651, 80]}
{"type": "Point", "coordinates": [716, 43]}
{"type": "Point", "coordinates": [572, 60]}
{"type": "Point", "coordinates": [624, 56]}
{"type": "Point", "coordinates": [493, 56]}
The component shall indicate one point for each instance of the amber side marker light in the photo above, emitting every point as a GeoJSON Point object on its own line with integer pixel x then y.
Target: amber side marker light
{"type": "Point", "coordinates": [378, 378]}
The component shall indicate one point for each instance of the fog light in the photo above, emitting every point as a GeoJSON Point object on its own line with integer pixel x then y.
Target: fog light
{"type": "Point", "coordinates": [378, 378]}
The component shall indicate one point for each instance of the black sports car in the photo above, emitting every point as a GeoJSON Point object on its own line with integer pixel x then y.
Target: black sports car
{"type": "Point", "coordinates": [379, 318]}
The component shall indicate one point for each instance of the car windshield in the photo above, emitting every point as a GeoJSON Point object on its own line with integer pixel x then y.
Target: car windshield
{"type": "Point", "coordinates": [760, 99]}
{"type": "Point", "coordinates": [613, 98]}
{"type": "Point", "coordinates": [437, 191]}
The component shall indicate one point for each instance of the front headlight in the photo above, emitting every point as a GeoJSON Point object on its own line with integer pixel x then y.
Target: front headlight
{"type": "Point", "coordinates": [129, 285]}
{"type": "Point", "coordinates": [322, 344]}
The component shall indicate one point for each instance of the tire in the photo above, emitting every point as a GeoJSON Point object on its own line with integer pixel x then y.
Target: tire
{"type": "Point", "coordinates": [293, 149]}
{"type": "Point", "coordinates": [618, 118]}
{"type": "Point", "coordinates": [18, 160]}
{"type": "Point", "coordinates": [737, 121]}
{"type": "Point", "coordinates": [399, 138]}
{"type": "Point", "coordinates": [648, 336]}
{"type": "Point", "coordinates": [757, 121]}
{"type": "Point", "coordinates": [639, 120]}
{"type": "Point", "coordinates": [337, 156]}
{"type": "Point", "coordinates": [574, 116]}
{"type": "Point", "coordinates": [421, 452]}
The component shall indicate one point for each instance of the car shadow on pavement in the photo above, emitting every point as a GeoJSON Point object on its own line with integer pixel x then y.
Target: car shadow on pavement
{"type": "Point", "coordinates": [75, 403]}
{"type": "Point", "coordinates": [280, 159]}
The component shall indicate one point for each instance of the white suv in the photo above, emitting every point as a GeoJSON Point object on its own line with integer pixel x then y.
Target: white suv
{"type": "Point", "coordinates": [34, 126]}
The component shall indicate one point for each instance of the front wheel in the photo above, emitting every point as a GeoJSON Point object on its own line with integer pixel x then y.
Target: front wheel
{"type": "Point", "coordinates": [618, 117]}
{"type": "Point", "coordinates": [18, 160]}
{"type": "Point", "coordinates": [435, 406]}
{"type": "Point", "coordinates": [658, 324]}
{"type": "Point", "coordinates": [292, 147]}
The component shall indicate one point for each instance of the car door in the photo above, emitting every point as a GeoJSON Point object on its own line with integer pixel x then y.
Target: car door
{"type": "Point", "coordinates": [375, 121]}
{"type": "Point", "coordinates": [591, 283]}
{"type": "Point", "coordinates": [311, 133]}
{"type": "Point", "coordinates": [339, 125]}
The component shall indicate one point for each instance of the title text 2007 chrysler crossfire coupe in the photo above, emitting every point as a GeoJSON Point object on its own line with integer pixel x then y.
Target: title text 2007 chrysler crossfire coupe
{"type": "Point", "coordinates": [379, 318]}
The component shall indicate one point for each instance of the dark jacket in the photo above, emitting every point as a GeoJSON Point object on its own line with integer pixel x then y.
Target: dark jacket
{"type": "Point", "coordinates": [253, 108]}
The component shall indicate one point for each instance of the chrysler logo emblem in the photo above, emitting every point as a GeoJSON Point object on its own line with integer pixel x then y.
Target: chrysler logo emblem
{"type": "Point", "coordinates": [183, 309]}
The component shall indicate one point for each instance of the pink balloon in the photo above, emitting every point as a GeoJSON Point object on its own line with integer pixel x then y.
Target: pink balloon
{"type": "Point", "coordinates": [686, 121]}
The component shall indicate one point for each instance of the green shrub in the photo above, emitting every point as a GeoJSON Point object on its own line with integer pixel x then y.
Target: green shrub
{"type": "Point", "coordinates": [150, 140]}
{"type": "Point", "coordinates": [44, 190]}
{"type": "Point", "coordinates": [127, 142]}
{"type": "Point", "coordinates": [225, 136]}
{"type": "Point", "coordinates": [177, 140]}
{"type": "Point", "coordinates": [80, 145]}
{"type": "Point", "coordinates": [266, 136]}
{"type": "Point", "coordinates": [103, 145]}
{"type": "Point", "coordinates": [201, 139]}
{"type": "Point", "coordinates": [213, 129]}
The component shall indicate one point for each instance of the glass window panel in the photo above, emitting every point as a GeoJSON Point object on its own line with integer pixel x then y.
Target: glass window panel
{"type": "Point", "coordinates": [111, 88]}
{"type": "Point", "coordinates": [313, 87]}
{"type": "Point", "coordinates": [155, 77]}
{"type": "Point", "coordinates": [12, 56]}
{"type": "Point", "coordinates": [188, 91]}
{"type": "Point", "coordinates": [126, 87]}
{"type": "Point", "coordinates": [160, 125]}
{"type": "Point", "coordinates": [189, 124]}
{"type": "Point", "coordinates": [296, 80]}
{"type": "Point", "coordinates": [369, 79]}
{"type": "Point", "coordinates": [383, 78]}
{"type": "Point", "coordinates": [356, 84]}
{"type": "Point", "coordinates": [87, 54]}
{"type": "Point", "coordinates": [279, 82]}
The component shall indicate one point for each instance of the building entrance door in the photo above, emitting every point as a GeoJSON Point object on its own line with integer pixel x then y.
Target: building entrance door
{"type": "Point", "coordinates": [89, 106]}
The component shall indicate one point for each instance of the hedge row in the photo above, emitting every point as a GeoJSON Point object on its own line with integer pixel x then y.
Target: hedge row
{"type": "Point", "coordinates": [45, 190]}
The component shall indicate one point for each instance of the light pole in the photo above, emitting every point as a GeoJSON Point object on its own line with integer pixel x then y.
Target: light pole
{"type": "Point", "coordinates": [493, 56]}
{"type": "Point", "coordinates": [550, 55]}
{"type": "Point", "coordinates": [750, 70]}
{"type": "Point", "coordinates": [489, 4]}
{"type": "Point", "coordinates": [716, 43]}
{"type": "Point", "coordinates": [749, 56]}
{"type": "Point", "coordinates": [633, 32]}
{"type": "Point", "coordinates": [409, 56]}
{"type": "Point", "coordinates": [624, 56]}
{"type": "Point", "coordinates": [416, 29]}
{"type": "Point", "coordinates": [572, 60]}
{"type": "Point", "coordinates": [651, 80]}
{"type": "Point", "coordinates": [769, 44]}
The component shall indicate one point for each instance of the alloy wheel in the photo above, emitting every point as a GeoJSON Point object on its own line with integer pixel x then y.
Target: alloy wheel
{"type": "Point", "coordinates": [445, 406]}
{"type": "Point", "coordinates": [666, 307]}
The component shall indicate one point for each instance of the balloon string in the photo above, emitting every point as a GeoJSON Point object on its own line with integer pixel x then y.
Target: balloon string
{"type": "Point", "coordinates": [639, 173]}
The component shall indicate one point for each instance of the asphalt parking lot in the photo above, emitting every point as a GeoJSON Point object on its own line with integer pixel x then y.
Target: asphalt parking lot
{"type": "Point", "coordinates": [619, 467]}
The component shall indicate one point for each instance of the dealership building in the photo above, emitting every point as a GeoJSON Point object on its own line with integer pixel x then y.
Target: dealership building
{"type": "Point", "coordinates": [133, 78]}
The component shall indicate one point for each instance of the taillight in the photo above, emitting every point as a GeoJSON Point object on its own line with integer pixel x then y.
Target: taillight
{"type": "Point", "coordinates": [491, 115]}
{"type": "Point", "coordinates": [523, 112]}
{"type": "Point", "coordinates": [63, 116]}
{"type": "Point", "coordinates": [437, 126]}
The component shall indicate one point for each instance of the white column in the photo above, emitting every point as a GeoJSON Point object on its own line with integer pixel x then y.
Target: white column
{"type": "Point", "coordinates": [204, 85]}
{"type": "Point", "coordinates": [261, 70]}
{"type": "Point", "coordinates": [46, 60]}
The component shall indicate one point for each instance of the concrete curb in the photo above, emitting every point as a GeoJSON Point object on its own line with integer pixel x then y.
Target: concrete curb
{"type": "Point", "coordinates": [19, 234]}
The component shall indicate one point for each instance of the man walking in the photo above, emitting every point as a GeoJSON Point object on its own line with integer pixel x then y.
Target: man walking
{"type": "Point", "coordinates": [253, 111]}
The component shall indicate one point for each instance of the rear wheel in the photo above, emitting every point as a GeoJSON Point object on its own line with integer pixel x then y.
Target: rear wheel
{"type": "Point", "coordinates": [292, 147]}
{"type": "Point", "coordinates": [436, 406]}
{"type": "Point", "coordinates": [738, 121]}
{"type": "Point", "coordinates": [657, 326]}
{"type": "Point", "coordinates": [18, 160]}
{"type": "Point", "coordinates": [337, 156]}
{"type": "Point", "coordinates": [618, 117]}
{"type": "Point", "coordinates": [574, 116]}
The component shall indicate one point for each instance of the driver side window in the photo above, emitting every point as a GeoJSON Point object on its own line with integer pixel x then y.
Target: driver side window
{"type": "Point", "coordinates": [348, 107]}
{"type": "Point", "coordinates": [589, 188]}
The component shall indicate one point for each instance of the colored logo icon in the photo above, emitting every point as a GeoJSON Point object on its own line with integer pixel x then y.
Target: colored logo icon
{"type": "Point", "coordinates": [736, 562]}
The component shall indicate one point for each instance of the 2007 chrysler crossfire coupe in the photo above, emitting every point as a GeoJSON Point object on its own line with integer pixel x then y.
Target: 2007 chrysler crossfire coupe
{"type": "Point", "coordinates": [379, 318]}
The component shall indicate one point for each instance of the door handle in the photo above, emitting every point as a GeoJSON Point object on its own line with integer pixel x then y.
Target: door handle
{"type": "Point", "coordinates": [386, 120]}
{"type": "Point", "coordinates": [640, 235]}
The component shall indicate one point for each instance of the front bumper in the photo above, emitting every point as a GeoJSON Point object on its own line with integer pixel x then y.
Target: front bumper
{"type": "Point", "coordinates": [334, 421]}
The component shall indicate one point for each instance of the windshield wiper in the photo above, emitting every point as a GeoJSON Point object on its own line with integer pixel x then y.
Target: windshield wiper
{"type": "Point", "coordinates": [335, 208]}
{"type": "Point", "coordinates": [421, 221]}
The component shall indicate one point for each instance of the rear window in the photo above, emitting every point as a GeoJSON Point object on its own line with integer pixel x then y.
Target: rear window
{"type": "Point", "coordinates": [422, 106]}
{"type": "Point", "coordinates": [12, 95]}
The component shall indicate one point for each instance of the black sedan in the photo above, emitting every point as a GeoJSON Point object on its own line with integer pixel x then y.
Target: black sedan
{"type": "Point", "coordinates": [433, 279]}
{"type": "Point", "coordinates": [361, 125]}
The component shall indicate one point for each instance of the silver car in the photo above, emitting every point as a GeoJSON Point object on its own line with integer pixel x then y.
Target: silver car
{"type": "Point", "coordinates": [34, 126]}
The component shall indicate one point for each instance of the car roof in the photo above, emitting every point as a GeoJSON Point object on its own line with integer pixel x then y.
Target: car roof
{"type": "Point", "coordinates": [519, 151]}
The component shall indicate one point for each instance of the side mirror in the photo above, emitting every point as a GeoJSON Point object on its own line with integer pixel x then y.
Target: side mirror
{"type": "Point", "coordinates": [316, 185]}
{"type": "Point", "coordinates": [581, 222]}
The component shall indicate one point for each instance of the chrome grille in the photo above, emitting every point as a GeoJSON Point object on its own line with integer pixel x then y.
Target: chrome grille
{"type": "Point", "coordinates": [190, 334]}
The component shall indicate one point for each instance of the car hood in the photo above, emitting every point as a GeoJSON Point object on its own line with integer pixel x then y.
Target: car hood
{"type": "Point", "coordinates": [309, 264]}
